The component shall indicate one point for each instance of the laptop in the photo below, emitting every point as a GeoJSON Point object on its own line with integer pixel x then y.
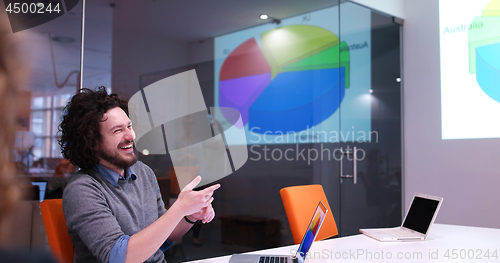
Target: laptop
{"type": "Point", "coordinates": [417, 223]}
{"type": "Point", "coordinates": [43, 187]}
{"type": "Point", "coordinates": [311, 233]}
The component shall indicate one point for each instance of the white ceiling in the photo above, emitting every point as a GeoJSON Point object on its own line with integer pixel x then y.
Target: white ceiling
{"type": "Point", "coordinates": [186, 20]}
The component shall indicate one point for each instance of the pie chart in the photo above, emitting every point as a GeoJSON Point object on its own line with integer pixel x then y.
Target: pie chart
{"type": "Point", "coordinates": [291, 79]}
{"type": "Point", "coordinates": [488, 69]}
{"type": "Point", "coordinates": [484, 49]}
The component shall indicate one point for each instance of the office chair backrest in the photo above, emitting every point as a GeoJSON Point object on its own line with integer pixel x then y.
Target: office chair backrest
{"type": "Point", "coordinates": [57, 231]}
{"type": "Point", "coordinates": [300, 203]}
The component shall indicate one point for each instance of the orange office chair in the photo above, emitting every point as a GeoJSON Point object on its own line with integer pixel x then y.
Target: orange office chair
{"type": "Point", "coordinates": [300, 202]}
{"type": "Point", "coordinates": [57, 232]}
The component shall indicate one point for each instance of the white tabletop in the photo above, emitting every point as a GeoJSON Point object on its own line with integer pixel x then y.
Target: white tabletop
{"type": "Point", "coordinates": [445, 243]}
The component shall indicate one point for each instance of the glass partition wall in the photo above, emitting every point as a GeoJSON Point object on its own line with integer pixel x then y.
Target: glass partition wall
{"type": "Point", "coordinates": [317, 85]}
{"type": "Point", "coordinates": [51, 53]}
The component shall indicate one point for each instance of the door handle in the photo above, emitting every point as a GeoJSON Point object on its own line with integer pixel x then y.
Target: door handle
{"type": "Point", "coordinates": [354, 175]}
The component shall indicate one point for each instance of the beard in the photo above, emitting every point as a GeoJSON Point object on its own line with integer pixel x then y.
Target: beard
{"type": "Point", "coordinates": [115, 159]}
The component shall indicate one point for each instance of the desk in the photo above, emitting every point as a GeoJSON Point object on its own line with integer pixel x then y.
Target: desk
{"type": "Point", "coordinates": [444, 243]}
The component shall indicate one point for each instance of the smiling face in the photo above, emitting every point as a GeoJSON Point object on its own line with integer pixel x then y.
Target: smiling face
{"type": "Point", "coordinates": [116, 151]}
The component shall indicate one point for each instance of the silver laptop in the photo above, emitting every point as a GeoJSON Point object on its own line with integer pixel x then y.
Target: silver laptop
{"type": "Point", "coordinates": [417, 223]}
{"type": "Point", "coordinates": [311, 233]}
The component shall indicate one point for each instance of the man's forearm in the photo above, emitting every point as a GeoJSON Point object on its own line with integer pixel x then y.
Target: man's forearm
{"type": "Point", "coordinates": [171, 224]}
{"type": "Point", "coordinates": [146, 242]}
{"type": "Point", "coordinates": [180, 230]}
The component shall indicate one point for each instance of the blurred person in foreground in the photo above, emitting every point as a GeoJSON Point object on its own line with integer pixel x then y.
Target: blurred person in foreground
{"type": "Point", "coordinates": [12, 76]}
{"type": "Point", "coordinates": [113, 207]}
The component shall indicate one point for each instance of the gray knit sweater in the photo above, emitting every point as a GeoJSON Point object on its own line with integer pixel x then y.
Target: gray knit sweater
{"type": "Point", "coordinates": [98, 213]}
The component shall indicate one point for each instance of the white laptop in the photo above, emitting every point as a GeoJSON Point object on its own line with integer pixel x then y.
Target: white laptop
{"type": "Point", "coordinates": [312, 231]}
{"type": "Point", "coordinates": [417, 223]}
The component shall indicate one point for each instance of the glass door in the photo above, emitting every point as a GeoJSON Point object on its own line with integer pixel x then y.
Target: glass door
{"type": "Point", "coordinates": [370, 122]}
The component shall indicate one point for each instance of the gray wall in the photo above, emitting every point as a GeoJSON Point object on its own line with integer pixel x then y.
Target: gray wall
{"type": "Point", "coordinates": [136, 53]}
{"type": "Point", "coordinates": [465, 172]}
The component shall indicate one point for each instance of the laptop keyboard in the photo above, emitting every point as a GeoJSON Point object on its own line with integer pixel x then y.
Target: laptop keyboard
{"type": "Point", "coordinates": [270, 259]}
{"type": "Point", "coordinates": [397, 232]}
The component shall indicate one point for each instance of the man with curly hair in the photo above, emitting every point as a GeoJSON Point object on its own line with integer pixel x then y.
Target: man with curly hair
{"type": "Point", "coordinates": [113, 206]}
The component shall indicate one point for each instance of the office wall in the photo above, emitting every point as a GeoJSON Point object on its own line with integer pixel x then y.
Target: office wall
{"type": "Point", "coordinates": [136, 53]}
{"type": "Point", "coordinates": [392, 7]}
{"type": "Point", "coordinates": [465, 172]}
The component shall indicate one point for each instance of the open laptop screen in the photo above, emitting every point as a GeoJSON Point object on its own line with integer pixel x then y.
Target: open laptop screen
{"type": "Point", "coordinates": [420, 214]}
{"type": "Point", "coordinates": [43, 187]}
{"type": "Point", "coordinates": [312, 230]}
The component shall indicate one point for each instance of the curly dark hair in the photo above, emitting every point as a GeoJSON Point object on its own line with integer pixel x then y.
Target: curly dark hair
{"type": "Point", "coordinates": [79, 129]}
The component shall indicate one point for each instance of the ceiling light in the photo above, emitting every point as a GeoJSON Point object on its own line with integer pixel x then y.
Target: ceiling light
{"type": "Point", "coordinates": [273, 20]}
{"type": "Point", "coordinates": [371, 91]}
